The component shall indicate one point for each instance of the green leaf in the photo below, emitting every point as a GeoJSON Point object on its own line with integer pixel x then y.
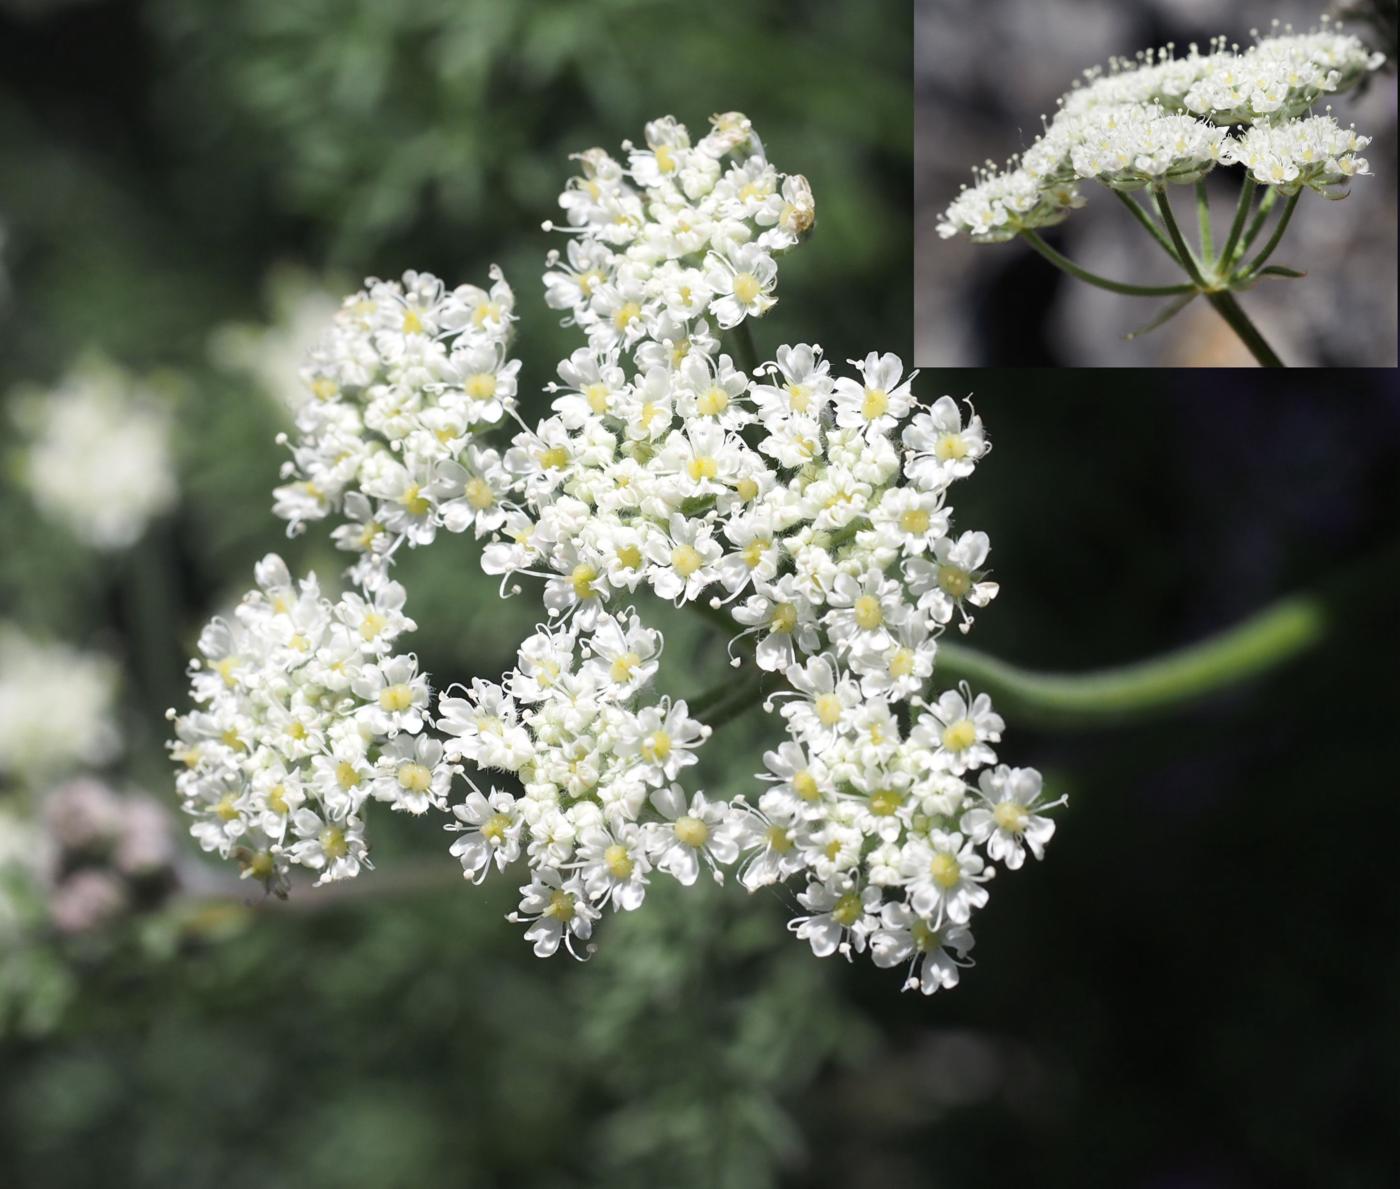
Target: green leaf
{"type": "Point", "coordinates": [1170, 311]}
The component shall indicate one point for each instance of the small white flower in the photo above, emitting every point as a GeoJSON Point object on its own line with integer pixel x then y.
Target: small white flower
{"type": "Point", "coordinates": [557, 910]}
{"type": "Point", "coordinates": [1005, 823]}
{"type": "Point", "coordinates": [840, 918]}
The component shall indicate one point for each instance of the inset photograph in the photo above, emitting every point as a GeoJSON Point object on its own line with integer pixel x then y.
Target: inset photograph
{"type": "Point", "coordinates": [1155, 185]}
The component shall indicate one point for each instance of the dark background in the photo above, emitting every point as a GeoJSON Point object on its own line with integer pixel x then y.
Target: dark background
{"type": "Point", "coordinates": [1196, 988]}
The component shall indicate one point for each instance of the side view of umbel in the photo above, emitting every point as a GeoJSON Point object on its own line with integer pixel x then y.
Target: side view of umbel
{"type": "Point", "coordinates": [800, 508]}
{"type": "Point", "coordinates": [1157, 120]}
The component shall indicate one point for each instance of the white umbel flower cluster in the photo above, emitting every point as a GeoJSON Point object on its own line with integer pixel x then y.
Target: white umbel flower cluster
{"type": "Point", "coordinates": [98, 457]}
{"type": "Point", "coordinates": [1159, 119]}
{"type": "Point", "coordinates": [600, 811]}
{"type": "Point", "coordinates": [1314, 152]}
{"type": "Point", "coordinates": [804, 508]}
{"type": "Point", "coordinates": [304, 714]}
{"type": "Point", "coordinates": [679, 231]}
{"type": "Point", "coordinates": [410, 374]}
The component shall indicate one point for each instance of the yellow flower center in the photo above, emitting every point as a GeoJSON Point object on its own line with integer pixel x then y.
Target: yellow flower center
{"type": "Point", "coordinates": [582, 580]}
{"type": "Point", "coordinates": [784, 618]}
{"type": "Point", "coordinates": [804, 784]}
{"type": "Point", "coordinates": [481, 386]}
{"type": "Point", "coordinates": [656, 747]}
{"type": "Point", "coordinates": [692, 831]}
{"type": "Point", "coordinates": [876, 402]}
{"type": "Point", "coordinates": [847, 910]}
{"type": "Point", "coordinates": [479, 494]}
{"type": "Point", "coordinates": [332, 840]}
{"type": "Point", "coordinates": [886, 802]}
{"type": "Point", "coordinates": [747, 288]}
{"type": "Point", "coordinates": [915, 521]}
{"type": "Point", "coordinates": [414, 777]}
{"type": "Point", "coordinates": [226, 809]}
{"type": "Point", "coordinates": [629, 557]}
{"type": "Point", "coordinates": [561, 906]}
{"type": "Point", "coordinates": [597, 397]}
{"type": "Point", "coordinates": [1010, 816]}
{"type": "Point", "coordinates": [555, 458]}
{"type": "Point", "coordinates": [779, 839]}
{"type": "Point", "coordinates": [395, 698]}
{"type": "Point", "coordinates": [960, 735]}
{"type": "Point", "coordinates": [902, 663]}
{"type": "Point", "coordinates": [945, 870]}
{"type": "Point", "coordinates": [829, 710]}
{"type": "Point", "coordinates": [925, 939]}
{"type": "Point", "coordinates": [412, 323]}
{"type": "Point", "coordinates": [950, 447]}
{"type": "Point", "coordinates": [703, 467]}
{"type": "Point", "coordinates": [746, 489]}
{"type": "Point", "coordinates": [713, 401]}
{"type": "Point", "coordinates": [868, 614]}
{"type": "Point", "coordinates": [621, 669]}
{"type": "Point", "coordinates": [494, 828]}
{"type": "Point", "coordinates": [625, 314]}
{"type": "Point", "coordinates": [618, 861]}
{"type": "Point", "coordinates": [276, 799]}
{"type": "Point", "coordinates": [346, 775]}
{"type": "Point", "coordinates": [415, 501]}
{"type": "Point", "coordinates": [487, 311]}
{"type": "Point", "coordinates": [955, 582]}
{"type": "Point", "coordinates": [685, 560]}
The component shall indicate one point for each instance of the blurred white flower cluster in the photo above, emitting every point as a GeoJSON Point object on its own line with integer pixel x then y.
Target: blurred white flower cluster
{"type": "Point", "coordinates": [97, 457]}
{"type": "Point", "coordinates": [1158, 119]}
{"type": "Point", "coordinates": [803, 509]}
{"type": "Point", "coordinates": [37, 680]}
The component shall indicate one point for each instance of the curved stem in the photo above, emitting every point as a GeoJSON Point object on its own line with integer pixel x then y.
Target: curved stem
{"type": "Point", "coordinates": [1188, 261]}
{"type": "Point", "coordinates": [1203, 223]}
{"type": "Point", "coordinates": [1263, 642]}
{"type": "Point", "coordinates": [1233, 313]}
{"type": "Point", "coordinates": [1260, 260]}
{"type": "Point", "coordinates": [1082, 274]}
{"type": "Point", "coordinates": [1227, 253]}
{"type": "Point", "coordinates": [1140, 214]}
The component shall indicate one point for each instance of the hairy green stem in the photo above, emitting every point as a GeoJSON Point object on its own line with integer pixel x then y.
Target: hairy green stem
{"type": "Point", "coordinates": [1139, 212]}
{"type": "Point", "coordinates": [1188, 261]}
{"type": "Point", "coordinates": [1082, 274]}
{"type": "Point", "coordinates": [1227, 253]}
{"type": "Point", "coordinates": [1203, 222]}
{"type": "Point", "coordinates": [1261, 643]}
